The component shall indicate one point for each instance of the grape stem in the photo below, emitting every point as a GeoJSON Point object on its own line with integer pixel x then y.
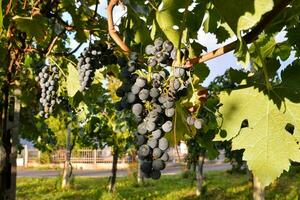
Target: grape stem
{"type": "Point", "coordinates": [248, 38]}
{"type": "Point", "coordinates": [111, 29]}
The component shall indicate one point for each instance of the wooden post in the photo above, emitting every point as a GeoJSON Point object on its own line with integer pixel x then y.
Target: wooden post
{"type": "Point", "coordinates": [25, 155]}
{"type": "Point", "coordinates": [95, 156]}
{"type": "Point", "coordinates": [66, 172]}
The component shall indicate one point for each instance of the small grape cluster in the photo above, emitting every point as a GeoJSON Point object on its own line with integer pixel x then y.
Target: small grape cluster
{"type": "Point", "coordinates": [162, 53]}
{"type": "Point", "coordinates": [196, 122]}
{"type": "Point", "coordinates": [128, 78]}
{"type": "Point", "coordinates": [92, 58]}
{"type": "Point", "coordinates": [48, 82]}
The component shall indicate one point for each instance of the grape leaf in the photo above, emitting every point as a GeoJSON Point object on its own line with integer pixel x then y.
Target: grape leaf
{"type": "Point", "coordinates": [181, 128]}
{"type": "Point", "coordinates": [168, 17]}
{"type": "Point", "coordinates": [73, 84]}
{"type": "Point", "coordinates": [268, 146]}
{"type": "Point", "coordinates": [1, 17]}
{"type": "Point", "coordinates": [243, 14]}
{"type": "Point", "coordinates": [35, 26]}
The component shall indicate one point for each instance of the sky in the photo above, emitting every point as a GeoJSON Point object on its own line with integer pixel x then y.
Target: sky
{"type": "Point", "coordinates": [217, 65]}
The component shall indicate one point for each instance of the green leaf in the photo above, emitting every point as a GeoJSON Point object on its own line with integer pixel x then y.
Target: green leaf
{"type": "Point", "coordinates": [268, 146]}
{"type": "Point", "coordinates": [242, 15]}
{"type": "Point", "coordinates": [73, 84]}
{"type": "Point", "coordinates": [293, 36]}
{"type": "Point", "coordinates": [168, 17]}
{"type": "Point", "coordinates": [181, 128]}
{"type": "Point", "coordinates": [1, 17]}
{"type": "Point", "coordinates": [141, 32]}
{"type": "Point", "coordinates": [34, 26]}
{"type": "Point", "coordinates": [237, 76]}
{"type": "Point", "coordinates": [201, 71]}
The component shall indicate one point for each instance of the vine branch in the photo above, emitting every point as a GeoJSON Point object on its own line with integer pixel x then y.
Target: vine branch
{"type": "Point", "coordinates": [111, 29]}
{"type": "Point", "coordinates": [248, 38]}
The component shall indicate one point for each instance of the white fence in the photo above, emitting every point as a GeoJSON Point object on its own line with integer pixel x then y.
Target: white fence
{"type": "Point", "coordinates": [83, 156]}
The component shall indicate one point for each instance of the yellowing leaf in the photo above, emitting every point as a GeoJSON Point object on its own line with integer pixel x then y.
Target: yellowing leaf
{"type": "Point", "coordinates": [73, 84]}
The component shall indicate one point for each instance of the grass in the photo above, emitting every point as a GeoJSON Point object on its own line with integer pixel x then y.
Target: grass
{"type": "Point", "coordinates": [220, 185]}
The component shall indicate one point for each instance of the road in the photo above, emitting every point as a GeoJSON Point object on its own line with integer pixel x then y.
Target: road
{"type": "Point", "coordinates": [173, 169]}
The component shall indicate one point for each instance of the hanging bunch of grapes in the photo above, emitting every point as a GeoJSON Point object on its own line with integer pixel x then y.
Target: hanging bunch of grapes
{"type": "Point", "coordinates": [48, 82]}
{"type": "Point", "coordinates": [152, 97]}
{"type": "Point", "coordinates": [92, 58]}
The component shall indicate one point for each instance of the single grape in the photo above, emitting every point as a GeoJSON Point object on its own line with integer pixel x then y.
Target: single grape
{"type": "Point", "coordinates": [140, 140]}
{"type": "Point", "coordinates": [141, 82]}
{"type": "Point", "coordinates": [155, 174]}
{"type": "Point", "coordinates": [142, 129]}
{"type": "Point", "coordinates": [157, 134]}
{"type": "Point", "coordinates": [168, 46]}
{"type": "Point", "coordinates": [169, 104]}
{"type": "Point", "coordinates": [156, 153]}
{"type": "Point", "coordinates": [190, 120]}
{"type": "Point", "coordinates": [198, 123]}
{"type": "Point", "coordinates": [165, 157]}
{"type": "Point", "coordinates": [170, 112]}
{"type": "Point", "coordinates": [158, 42]}
{"type": "Point", "coordinates": [144, 94]}
{"type": "Point", "coordinates": [150, 126]}
{"type": "Point", "coordinates": [158, 164]}
{"type": "Point", "coordinates": [146, 166]}
{"type": "Point", "coordinates": [152, 143]}
{"type": "Point", "coordinates": [163, 144]}
{"type": "Point", "coordinates": [131, 97]}
{"type": "Point", "coordinates": [135, 89]}
{"type": "Point", "coordinates": [150, 50]}
{"type": "Point", "coordinates": [152, 62]}
{"type": "Point", "coordinates": [154, 92]}
{"type": "Point", "coordinates": [144, 151]}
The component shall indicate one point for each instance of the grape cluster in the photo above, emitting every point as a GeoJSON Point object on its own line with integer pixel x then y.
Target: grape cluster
{"type": "Point", "coordinates": [92, 58]}
{"type": "Point", "coordinates": [196, 122]}
{"type": "Point", "coordinates": [48, 82]}
{"type": "Point", "coordinates": [152, 97]}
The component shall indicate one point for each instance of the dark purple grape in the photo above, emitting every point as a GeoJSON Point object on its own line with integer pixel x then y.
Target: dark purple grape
{"type": "Point", "coordinates": [144, 151]}
{"type": "Point", "coordinates": [158, 164]}
{"type": "Point", "coordinates": [198, 123]}
{"type": "Point", "coordinates": [155, 174]}
{"type": "Point", "coordinates": [165, 157]}
{"type": "Point", "coordinates": [190, 120]}
{"type": "Point", "coordinates": [157, 134]}
{"type": "Point", "coordinates": [144, 94]}
{"type": "Point", "coordinates": [142, 128]}
{"type": "Point", "coordinates": [150, 50]}
{"type": "Point", "coordinates": [163, 144]}
{"type": "Point", "coordinates": [156, 153]}
{"type": "Point", "coordinates": [146, 167]}
{"type": "Point", "coordinates": [137, 109]}
{"type": "Point", "coordinates": [141, 82]}
{"type": "Point", "coordinates": [170, 112]}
